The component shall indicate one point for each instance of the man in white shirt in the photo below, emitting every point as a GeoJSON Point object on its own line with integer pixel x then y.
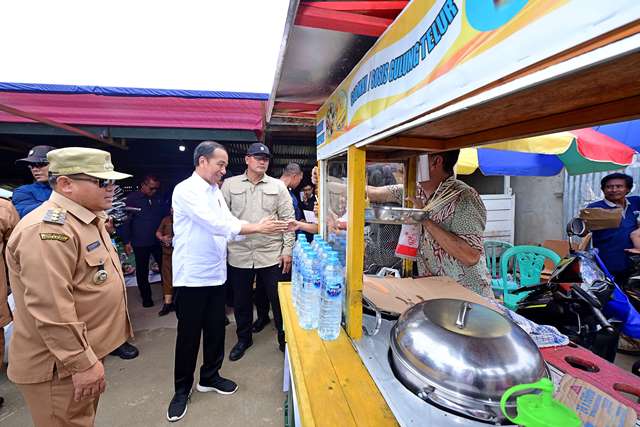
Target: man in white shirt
{"type": "Point", "coordinates": [202, 227]}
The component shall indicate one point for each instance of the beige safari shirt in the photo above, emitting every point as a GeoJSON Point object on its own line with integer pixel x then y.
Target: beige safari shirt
{"type": "Point", "coordinates": [8, 220]}
{"type": "Point", "coordinates": [252, 202]}
{"type": "Point", "coordinates": [69, 313]}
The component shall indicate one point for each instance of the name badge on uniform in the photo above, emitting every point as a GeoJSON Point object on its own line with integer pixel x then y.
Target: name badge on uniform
{"type": "Point", "coordinates": [54, 236]}
{"type": "Point", "coordinates": [93, 246]}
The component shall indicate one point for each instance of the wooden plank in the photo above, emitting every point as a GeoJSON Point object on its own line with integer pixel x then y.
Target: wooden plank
{"type": "Point", "coordinates": [497, 204]}
{"type": "Point", "coordinates": [356, 182]}
{"type": "Point", "coordinates": [368, 408]}
{"type": "Point", "coordinates": [494, 215]}
{"type": "Point", "coordinates": [584, 91]}
{"type": "Point", "coordinates": [498, 226]}
{"type": "Point", "coordinates": [332, 384]}
{"type": "Point", "coordinates": [410, 185]}
{"type": "Point", "coordinates": [347, 22]}
{"type": "Point", "coordinates": [312, 372]}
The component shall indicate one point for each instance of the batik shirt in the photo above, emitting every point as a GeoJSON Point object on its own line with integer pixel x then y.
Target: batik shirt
{"type": "Point", "coordinates": [466, 217]}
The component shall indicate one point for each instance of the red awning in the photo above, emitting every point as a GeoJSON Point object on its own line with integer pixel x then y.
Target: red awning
{"type": "Point", "coordinates": [139, 111]}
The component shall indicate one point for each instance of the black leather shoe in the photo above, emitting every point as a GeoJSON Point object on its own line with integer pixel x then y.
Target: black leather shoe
{"type": "Point", "coordinates": [166, 309]}
{"type": "Point", "coordinates": [259, 325]}
{"type": "Point", "coordinates": [126, 351]}
{"type": "Point", "coordinates": [281, 341]}
{"type": "Point", "coordinates": [146, 303]}
{"type": "Point", "coordinates": [1, 401]}
{"type": "Point", "coordinates": [238, 350]}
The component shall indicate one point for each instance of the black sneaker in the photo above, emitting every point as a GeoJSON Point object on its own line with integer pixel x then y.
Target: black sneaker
{"type": "Point", "coordinates": [178, 407]}
{"type": "Point", "coordinates": [219, 385]}
{"type": "Point", "coordinates": [146, 303]}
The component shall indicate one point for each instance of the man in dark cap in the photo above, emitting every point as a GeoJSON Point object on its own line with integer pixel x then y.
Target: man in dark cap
{"type": "Point", "coordinates": [28, 197]}
{"type": "Point", "coordinates": [139, 233]}
{"type": "Point", "coordinates": [251, 197]}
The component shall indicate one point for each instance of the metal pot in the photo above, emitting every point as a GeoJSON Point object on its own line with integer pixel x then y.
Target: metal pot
{"type": "Point", "coordinates": [463, 356]}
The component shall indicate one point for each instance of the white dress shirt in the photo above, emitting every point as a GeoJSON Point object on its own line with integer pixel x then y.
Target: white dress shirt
{"type": "Point", "coordinates": [202, 226]}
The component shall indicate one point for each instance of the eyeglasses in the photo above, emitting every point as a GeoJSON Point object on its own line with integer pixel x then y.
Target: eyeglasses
{"type": "Point", "coordinates": [38, 165]}
{"type": "Point", "coordinates": [102, 183]}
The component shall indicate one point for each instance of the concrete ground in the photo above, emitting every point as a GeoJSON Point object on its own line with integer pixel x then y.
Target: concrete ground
{"type": "Point", "coordinates": [139, 390]}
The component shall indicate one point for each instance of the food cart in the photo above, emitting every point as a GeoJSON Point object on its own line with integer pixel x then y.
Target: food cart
{"type": "Point", "coordinates": [446, 74]}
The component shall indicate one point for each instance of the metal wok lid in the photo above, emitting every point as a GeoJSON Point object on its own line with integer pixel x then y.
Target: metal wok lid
{"type": "Point", "coordinates": [464, 351]}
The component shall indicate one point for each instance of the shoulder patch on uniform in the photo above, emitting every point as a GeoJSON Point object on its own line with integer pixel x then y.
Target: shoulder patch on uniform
{"type": "Point", "coordinates": [54, 236]}
{"type": "Point", "coordinates": [55, 216]}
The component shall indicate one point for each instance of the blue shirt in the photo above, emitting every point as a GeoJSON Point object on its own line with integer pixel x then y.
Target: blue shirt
{"type": "Point", "coordinates": [141, 229]}
{"type": "Point", "coordinates": [612, 242]}
{"type": "Point", "coordinates": [28, 197]}
{"type": "Point", "coordinates": [296, 206]}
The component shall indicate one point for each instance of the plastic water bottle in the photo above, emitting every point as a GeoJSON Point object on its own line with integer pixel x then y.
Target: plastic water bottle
{"type": "Point", "coordinates": [317, 240]}
{"type": "Point", "coordinates": [297, 271]}
{"type": "Point", "coordinates": [331, 301]}
{"type": "Point", "coordinates": [319, 262]}
{"type": "Point", "coordinates": [305, 296]}
{"type": "Point", "coordinates": [296, 275]}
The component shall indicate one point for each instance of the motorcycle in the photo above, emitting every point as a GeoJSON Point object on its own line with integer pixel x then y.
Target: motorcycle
{"type": "Point", "coordinates": [577, 300]}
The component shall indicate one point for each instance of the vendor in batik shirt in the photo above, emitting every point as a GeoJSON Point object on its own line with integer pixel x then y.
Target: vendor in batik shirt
{"type": "Point", "coordinates": [451, 241]}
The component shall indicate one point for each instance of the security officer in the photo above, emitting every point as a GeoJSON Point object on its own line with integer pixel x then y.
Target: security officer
{"type": "Point", "coordinates": [71, 305]}
{"type": "Point", "coordinates": [28, 197]}
{"type": "Point", "coordinates": [251, 197]}
{"type": "Point", "coordinates": [8, 220]}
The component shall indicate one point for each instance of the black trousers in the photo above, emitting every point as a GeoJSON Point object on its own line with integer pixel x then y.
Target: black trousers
{"type": "Point", "coordinates": [241, 279]}
{"type": "Point", "coordinates": [260, 298]}
{"type": "Point", "coordinates": [142, 255]}
{"type": "Point", "coordinates": [200, 311]}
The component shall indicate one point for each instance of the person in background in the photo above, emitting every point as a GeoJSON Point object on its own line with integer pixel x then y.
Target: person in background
{"type": "Point", "coordinates": [292, 177]}
{"type": "Point", "coordinates": [8, 220]}
{"type": "Point", "coordinates": [69, 291]}
{"type": "Point", "coordinates": [451, 240]}
{"type": "Point", "coordinates": [250, 197]}
{"type": "Point", "coordinates": [203, 225]}
{"type": "Point", "coordinates": [165, 235]}
{"type": "Point", "coordinates": [28, 197]}
{"type": "Point", "coordinates": [309, 201]}
{"type": "Point", "coordinates": [139, 232]}
{"type": "Point", "coordinates": [613, 242]}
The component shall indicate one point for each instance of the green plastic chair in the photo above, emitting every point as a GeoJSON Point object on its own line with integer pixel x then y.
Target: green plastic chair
{"type": "Point", "coordinates": [527, 266]}
{"type": "Point", "coordinates": [493, 250]}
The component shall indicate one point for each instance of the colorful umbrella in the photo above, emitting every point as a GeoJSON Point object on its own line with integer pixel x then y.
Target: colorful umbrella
{"type": "Point", "coordinates": [580, 151]}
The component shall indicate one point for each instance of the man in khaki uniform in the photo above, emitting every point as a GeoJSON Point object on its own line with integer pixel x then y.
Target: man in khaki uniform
{"type": "Point", "coordinates": [251, 197]}
{"type": "Point", "coordinates": [8, 220]}
{"type": "Point", "coordinates": [71, 306]}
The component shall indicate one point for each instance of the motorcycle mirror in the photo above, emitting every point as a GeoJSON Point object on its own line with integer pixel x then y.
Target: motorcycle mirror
{"type": "Point", "coordinates": [577, 227]}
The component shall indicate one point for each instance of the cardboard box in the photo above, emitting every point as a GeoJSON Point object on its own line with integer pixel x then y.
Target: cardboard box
{"type": "Point", "coordinates": [594, 407]}
{"type": "Point", "coordinates": [397, 295]}
{"type": "Point", "coordinates": [601, 219]}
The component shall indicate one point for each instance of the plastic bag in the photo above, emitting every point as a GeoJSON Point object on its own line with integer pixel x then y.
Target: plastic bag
{"type": "Point", "coordinates": [408, 241]}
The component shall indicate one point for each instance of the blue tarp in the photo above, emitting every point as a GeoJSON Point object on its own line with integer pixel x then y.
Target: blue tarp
{"type": "Point", "coordinates": [128, 91]}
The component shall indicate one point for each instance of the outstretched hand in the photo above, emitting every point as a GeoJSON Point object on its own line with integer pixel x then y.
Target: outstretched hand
{"type": "Point", "coordinates": [268, 225]}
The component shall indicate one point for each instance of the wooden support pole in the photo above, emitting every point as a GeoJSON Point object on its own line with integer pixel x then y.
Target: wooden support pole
{"type": "Point", "coordinates": [356, 187]}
